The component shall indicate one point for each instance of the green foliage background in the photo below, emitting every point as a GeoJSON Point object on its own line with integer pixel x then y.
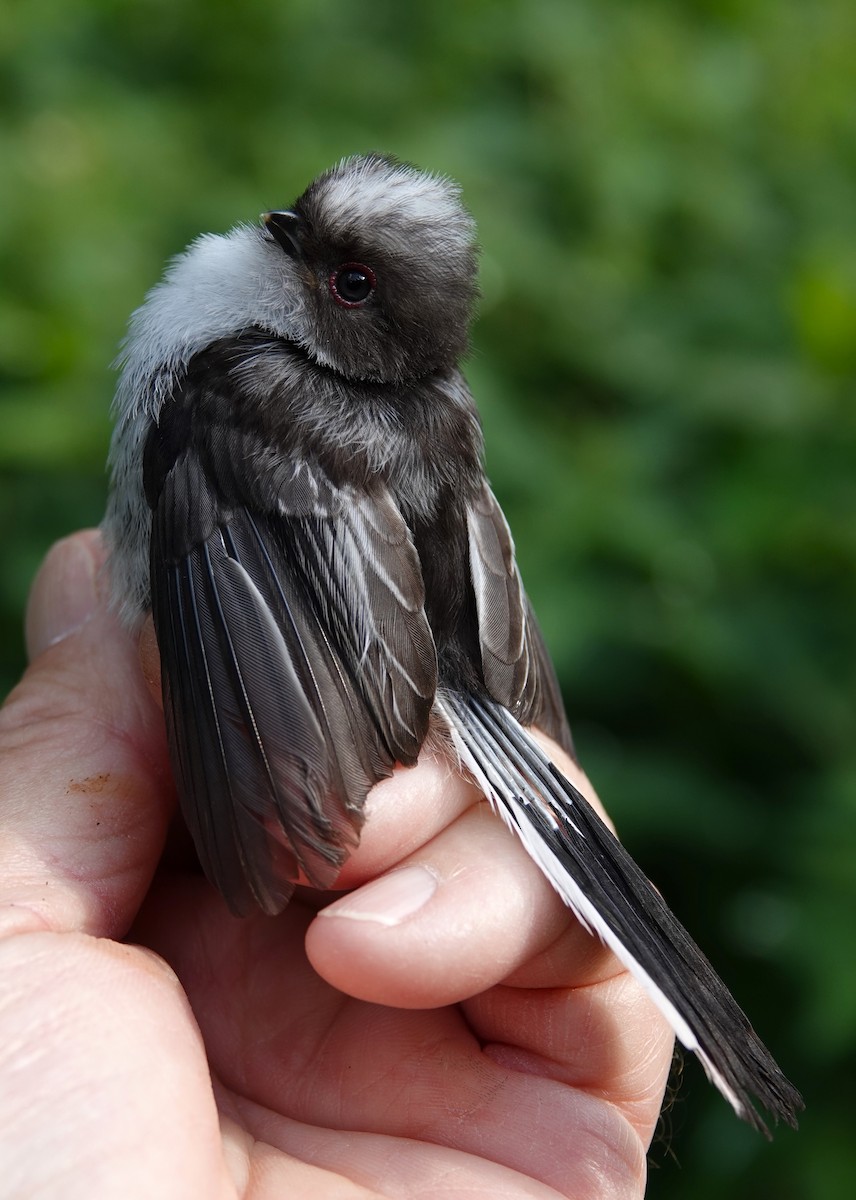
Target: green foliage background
{"type": "Point", "coordinates": [665, 361]}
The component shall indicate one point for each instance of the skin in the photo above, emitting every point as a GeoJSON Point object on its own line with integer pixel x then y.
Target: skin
{"type": "Point", "coordinates": [444, 1029]}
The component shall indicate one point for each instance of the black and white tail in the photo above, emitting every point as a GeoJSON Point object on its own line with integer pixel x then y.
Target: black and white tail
{"type": "Point", "coordinates": [600, 882]}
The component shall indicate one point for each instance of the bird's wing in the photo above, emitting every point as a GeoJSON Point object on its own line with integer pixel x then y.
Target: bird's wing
{"type": "Point", "coordinates": [516, 665]}
{"type": "Point", "coordinates": [298, 664]}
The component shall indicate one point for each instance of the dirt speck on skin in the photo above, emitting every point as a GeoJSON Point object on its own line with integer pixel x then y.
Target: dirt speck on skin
{"type": "Point", "coordinates": [91, 784]}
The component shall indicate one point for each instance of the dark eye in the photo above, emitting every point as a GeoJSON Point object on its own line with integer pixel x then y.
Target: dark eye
{"type": "Point", "coordinates": [351, 284]}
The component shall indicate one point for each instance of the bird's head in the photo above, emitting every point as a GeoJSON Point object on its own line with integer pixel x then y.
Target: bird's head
{"type": "Point", "coordinates": [372, 272]}
{"type": "Point", "coordinates": [383, 259]}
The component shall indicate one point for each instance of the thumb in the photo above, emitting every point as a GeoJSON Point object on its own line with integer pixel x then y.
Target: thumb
{"type": "Point", "coordinates": [85, 795]}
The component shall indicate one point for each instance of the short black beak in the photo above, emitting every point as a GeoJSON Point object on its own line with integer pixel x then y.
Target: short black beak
{"type": "Point", "coordinates": [285, 228]}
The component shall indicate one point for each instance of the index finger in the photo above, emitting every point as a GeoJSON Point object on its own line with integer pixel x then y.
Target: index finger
{"type": "Point", "coordinates": [85, 792]}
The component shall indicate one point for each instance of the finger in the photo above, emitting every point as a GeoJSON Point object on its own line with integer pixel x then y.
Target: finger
{"type": "Point", "coordinates": [607, 1038]}
{"type": "Point", "coordinates": [405, 812]}
{"type": "Point", "coordinates": [85, 795]}
{"type": "Point", "coordinates": [463, 912]}
{"type": "Point", "coordinates": [319, 1161]}
{"type": "Point", "coordinates": [106, 1088]}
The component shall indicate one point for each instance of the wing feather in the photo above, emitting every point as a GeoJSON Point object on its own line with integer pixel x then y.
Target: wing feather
{"type": "Point", "coordinates": [516, 665]}
{"type": "Point", "coordinates": [298, 668]}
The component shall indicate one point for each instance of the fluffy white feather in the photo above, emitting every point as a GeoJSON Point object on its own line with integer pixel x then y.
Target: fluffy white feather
{"type": "Point", "coordinates": [373, 191]}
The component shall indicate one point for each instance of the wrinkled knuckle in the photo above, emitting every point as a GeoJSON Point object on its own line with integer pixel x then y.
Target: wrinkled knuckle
{"type": "Point", "coordinates": [35, 718]}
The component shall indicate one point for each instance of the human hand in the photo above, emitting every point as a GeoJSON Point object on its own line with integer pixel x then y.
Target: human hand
{"type": "Point", "coordinates": [445, 1029]}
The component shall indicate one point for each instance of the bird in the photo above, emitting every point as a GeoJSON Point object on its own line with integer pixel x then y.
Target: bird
{"type": "Point", "coordinates": [298, 496]}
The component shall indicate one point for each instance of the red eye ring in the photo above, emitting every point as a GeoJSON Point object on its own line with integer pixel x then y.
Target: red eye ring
{"type": "Point", "coordinates": [351, 284]}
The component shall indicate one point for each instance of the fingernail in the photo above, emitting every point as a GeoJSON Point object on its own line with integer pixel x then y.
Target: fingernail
{"type": "Point", "coordinates": [63, 596]}
{"type": "Point", "coordinates": [387, 901]}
